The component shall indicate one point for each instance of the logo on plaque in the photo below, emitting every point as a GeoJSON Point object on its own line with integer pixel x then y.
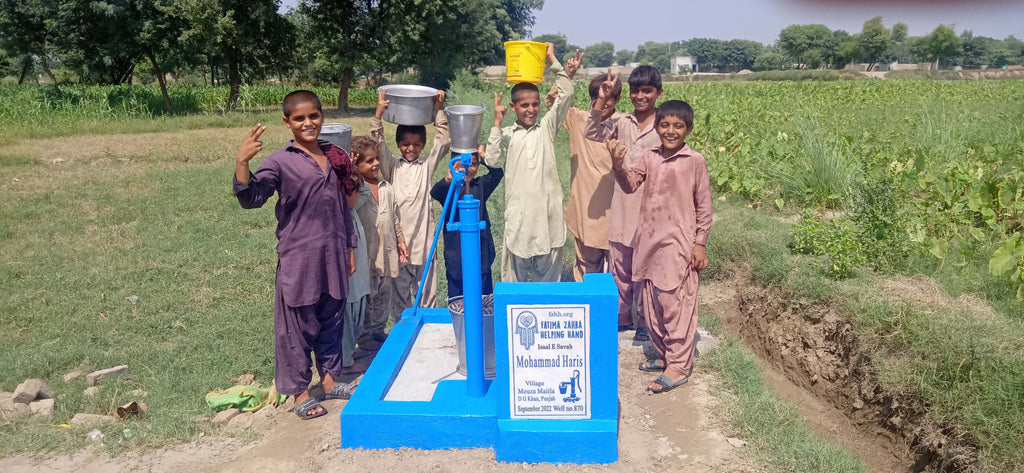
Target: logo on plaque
{"type": "Point", "coordinates": [526, 328]}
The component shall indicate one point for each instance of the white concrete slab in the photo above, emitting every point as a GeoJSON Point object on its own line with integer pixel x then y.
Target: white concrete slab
{"type": "Point", "coordinates": [433, 358]}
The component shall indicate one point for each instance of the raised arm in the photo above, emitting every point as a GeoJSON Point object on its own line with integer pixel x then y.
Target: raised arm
{"type": "Point", "coordinates": [253, 190]}
{"type": "Point", "coordinates": [566, 91]}
{"type": "Point", "coordinates": [387, 160]}
{"type": "Point", "coordinates": [442, 139]}
{"type": "Point", "coordinates": [595, 129]}
{"type": "Point", "coordinates": [497, 144]}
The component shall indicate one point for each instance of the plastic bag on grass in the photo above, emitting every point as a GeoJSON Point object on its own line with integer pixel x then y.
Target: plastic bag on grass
{"type": "Point", "coordinates": [244, 398]}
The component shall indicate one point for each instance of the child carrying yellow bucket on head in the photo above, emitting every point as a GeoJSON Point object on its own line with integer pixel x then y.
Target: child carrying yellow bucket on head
{"type": "Point", "coordinates": [534, 223]}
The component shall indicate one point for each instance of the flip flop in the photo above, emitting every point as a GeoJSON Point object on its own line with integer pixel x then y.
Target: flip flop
{"type": "Point", "coordinates": [341, 391]}
{"type": "Point", "coordinates": [641, 335]}
{"type": "Point", "coordinates": [652, 366]}
{"type": "Point", "coordinates": [667, 384]}
{"type": "Point", "coordinates": [302, 410]}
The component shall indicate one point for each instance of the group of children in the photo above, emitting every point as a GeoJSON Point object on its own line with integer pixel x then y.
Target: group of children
{"type": "Point", "coordinates": [354, 230]}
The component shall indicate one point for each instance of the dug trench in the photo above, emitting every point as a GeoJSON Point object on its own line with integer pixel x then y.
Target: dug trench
{"type": "Point", "coordinates": [812, 356]}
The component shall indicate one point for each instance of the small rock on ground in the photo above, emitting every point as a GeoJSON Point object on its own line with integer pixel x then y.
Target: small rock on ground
{"type": "Point", "coordinates": [42, 407]}
{"type": "Point", "coordinates": [223, 417]}
{"type": "Point", "coordinates": [94, 378]}
{"type": "Point", "coordinates": [241, 422]}
{"type": "Point", "coordinates": [73, 375]}
{"type": "Point", "coordinates": [6, 401]}
{"type": "Point", "coordinates": [735, 442]}
{"type": "Point", "coordinates": [31, 390]}
{"type": "Point", "coordinates": [91, 391]}
{"type": "Point", "coordinates": [21, 409]}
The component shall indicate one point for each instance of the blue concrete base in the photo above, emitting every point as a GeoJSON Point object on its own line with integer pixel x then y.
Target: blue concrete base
{"type": "Point", "coordinates": [535, 440]}
{"type": "Point", "coordinates": [451, 419]}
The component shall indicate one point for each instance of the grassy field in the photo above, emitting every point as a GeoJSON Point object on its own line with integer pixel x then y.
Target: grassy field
{"type": "Point", "coordinates": [121, 243]}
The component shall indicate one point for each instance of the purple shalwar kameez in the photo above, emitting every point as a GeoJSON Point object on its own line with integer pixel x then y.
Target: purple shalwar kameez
{"type": "Point", "coordinates": [314, 233]}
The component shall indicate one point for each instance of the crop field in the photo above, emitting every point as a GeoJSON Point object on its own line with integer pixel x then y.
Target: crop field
{"type": "Point", "coordinates": [120, 240]}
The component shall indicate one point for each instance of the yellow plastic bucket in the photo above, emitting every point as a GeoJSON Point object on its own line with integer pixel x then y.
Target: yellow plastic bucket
{"type": "Point", "coordinates": [524, 61]}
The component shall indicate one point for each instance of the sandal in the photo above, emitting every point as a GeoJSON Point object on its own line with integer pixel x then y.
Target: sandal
{"type": "Point", "coordinates": [341, 391]}
{"type": "Point", "coordinates": [641, 335]}
{"type": "Point", "coordinates": [310, 404]}
{"type": "Point", "coordinates": [667, 384]}
{"type": "Point", "coordinates": [652, 366]}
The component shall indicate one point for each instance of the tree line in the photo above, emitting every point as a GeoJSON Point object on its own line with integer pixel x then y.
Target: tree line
{"type": "Point", "coordinates": [811, 47]}
{"type": "Point", "coordinates": [336, 41]}
{"type": "Point", "coordinates": [110, 41]}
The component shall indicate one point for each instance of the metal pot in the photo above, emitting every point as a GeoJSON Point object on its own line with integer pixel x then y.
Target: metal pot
{"type": "Point", "coordinates": [464, 123]}
{"type": "Point", "coordinates": [339, 134]}
{"type": "Point", "coordinates": [456, 308]}
{"type": "Point", "coordinates": [410, 104]}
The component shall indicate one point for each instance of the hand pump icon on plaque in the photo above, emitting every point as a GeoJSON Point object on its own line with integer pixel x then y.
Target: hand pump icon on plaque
{"type": "Point", "coordinates": [572, 385]}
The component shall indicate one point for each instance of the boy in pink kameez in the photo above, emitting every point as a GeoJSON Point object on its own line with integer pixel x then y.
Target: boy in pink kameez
{"type": "Point", "coordinates": [668, 248]}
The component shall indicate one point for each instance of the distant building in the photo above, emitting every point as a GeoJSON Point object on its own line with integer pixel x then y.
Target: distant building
{"type": "Point", "coordinates": [682, 65]}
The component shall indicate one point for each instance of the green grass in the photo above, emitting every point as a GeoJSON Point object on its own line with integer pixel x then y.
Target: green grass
{"type": "Point", "coordinates": [773, 427]}
{"type": "Point", "coordinates": [151, 263]}
{"type": "Point", "coordinates": [965, 364]}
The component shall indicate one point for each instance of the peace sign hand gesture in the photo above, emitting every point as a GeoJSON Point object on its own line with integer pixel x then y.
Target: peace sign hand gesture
{"type": "Point", "coordinates": [499, 110]}
{"type": "Point", "coordinates": [573, 64]}
{"type": "Point", "coordinates": [251, 146]}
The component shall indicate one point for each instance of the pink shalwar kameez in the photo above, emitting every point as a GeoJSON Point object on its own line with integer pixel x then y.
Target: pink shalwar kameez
{"type": "Point", "coordinates": [675, 214]}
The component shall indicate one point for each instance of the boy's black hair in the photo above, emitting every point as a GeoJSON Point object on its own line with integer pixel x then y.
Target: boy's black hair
{"type": "Point", "coordinates": [519, 89]}
{"type": "Point", "coordinates": [418, 130]}
{"type": "Point", "coordinates": [675, 108]}
{"type": "Point", "coordinates": [359, 146]}
{"type": "Point", "coordinates": [294, 98]}
{"type": "Point", "coordinates": [595, 86]}
{"type": "Point", "coordinates": [645, 75]}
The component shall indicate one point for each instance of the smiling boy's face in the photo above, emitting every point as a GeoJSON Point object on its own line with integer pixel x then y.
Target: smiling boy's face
{"type": "Point", "coordinates": [411, 145]}
{"type": "Point", "coordinates": [527, 108]}
{"type": "Point", "coordinates": [644, 97]}
{"type": "Point", "coordinates": [673, 132]}
{"type": "Point", "coordinates": [305, 122]}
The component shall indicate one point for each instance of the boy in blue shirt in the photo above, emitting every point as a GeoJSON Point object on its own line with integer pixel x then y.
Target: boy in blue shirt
{"type": "Point", "coordinates": [480, 187]}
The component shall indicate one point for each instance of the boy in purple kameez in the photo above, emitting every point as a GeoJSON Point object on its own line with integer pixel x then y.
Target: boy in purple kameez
{"type": "Point", "coordinates": [316, 239]}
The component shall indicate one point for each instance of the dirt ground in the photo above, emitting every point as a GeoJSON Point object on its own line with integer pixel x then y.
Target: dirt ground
{"type": "Point", "coordinates": [676, 431]}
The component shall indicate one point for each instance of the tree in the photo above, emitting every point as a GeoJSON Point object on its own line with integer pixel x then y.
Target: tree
{"type": "Point", "coordinates": [977, 51]}
{"type": "Point", "coordinates": [875, 41]}
{"type": "Point", "coordinates": [599, 55]}
{"type": "Point", "coordinates": [741, 53]}
{"type": "Point", "coordinates": [941, 43]}
{"type": "Point", "coordinates": [1014, 49]}
{"type": "Point", "coordinates": [798, 40]}
{"type": "Point", "coordinates": [560, 41]}
{"type": "Point", "coordinates": [899, 32]}
{"type": "Point", "coordinates": [848, 52]}
{"type": "Point", "coordinates": [25, 32]}
{"type": "Point", "coordinates": [709, 53]}
{"type": "Point", "coordinates": [623, 57]}
{"type": "Point", "coordinates": [444, 47]}
{"type": "Point", "coordinates": [656, 54]}
{"type": "Point", "coordinates": [768, 61]}
{"type": "Point", "coordinates": [513, 20]}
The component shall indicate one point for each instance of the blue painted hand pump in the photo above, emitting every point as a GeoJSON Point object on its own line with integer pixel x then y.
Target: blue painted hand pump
{"type": "Point", "coordinates": [469, 227]}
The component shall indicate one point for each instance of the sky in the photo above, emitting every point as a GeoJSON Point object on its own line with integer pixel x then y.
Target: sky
{"type": "Point", "coordinates": [586, 22]}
